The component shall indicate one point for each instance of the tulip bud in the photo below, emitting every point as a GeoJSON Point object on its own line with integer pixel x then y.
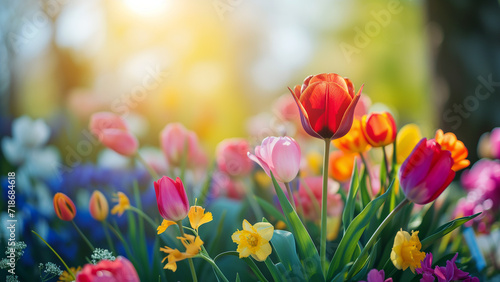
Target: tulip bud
{"type": "Point", "coordinates": [176, 141]}
{"type": "Point", "coordinates": [64, 207]}
{"type": "Point", "coordinates": [98, 206]}
{"type": "Point", "coordinates": [426, 173]}
{"type": "Point", "coordinates": [113, 133]}
{"type": "Point", "coordinates": [171, 197]}
{"type": "Point", "coordinates": [279, 155]}
{"type": "Point", "coordinates": [326, 103]}
{"type": "Point", "coordinates": [231, 155]}
{"type": "Point", "coordinates": [379, 129]}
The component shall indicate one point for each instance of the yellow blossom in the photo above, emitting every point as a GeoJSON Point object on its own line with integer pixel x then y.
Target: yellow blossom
{"type": "Point", "coordinates": [254, 240]}
{"type": "Point", "coordinates": [123, 204]}
{"type": "Point", "coordinates": [406, 251]}
{"type": "Point", "coordinates": [408, 137]}
{"type": "Point", "coordinates": [66, 277]}
{"type": "Point", "coordinates": [197, 217]}
{"type": "Point", "coordinates": [164, 225]}
{"type": "Point", "coordinates": [192, 245]}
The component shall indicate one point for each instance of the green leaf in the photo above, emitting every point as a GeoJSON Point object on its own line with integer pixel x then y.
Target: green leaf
{"type": "Point", "coordinates": [348, 244]}
{"type": "Point", "coordinates": [306, 248]}
{"type": "Point", "coordinates": [270, 209]}
{"type": "Point", "coordinates": [351, 198]}
{"type": "Point", "coordinates": [275, 273]}
{"type": "Point", "coordinates": [284, 245]}
{"type": "Point", "coordinates": [445, 229]}
{"type": "Point", "coordinates": [363, 189]}
{"type": "Point", "coordinates": [342, 275]}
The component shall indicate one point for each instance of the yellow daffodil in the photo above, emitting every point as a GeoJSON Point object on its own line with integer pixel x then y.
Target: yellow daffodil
{"type": "Point", "coordinates": [406, 251]}
{"type": "Point", "coordinates": [164, 225]}
{"type": "Point", "coordinates": [197, 217]}
{"type": "Point", "coordinates": [123, 204]}
{"type": "Point", "coordinates": [254, 240]}
{"type": "Point", "coordinates": [65, 276]}
{"type": "Point", "coordinates": [192, 245]}
{"type": "Point", "coordinates": [408, 137]}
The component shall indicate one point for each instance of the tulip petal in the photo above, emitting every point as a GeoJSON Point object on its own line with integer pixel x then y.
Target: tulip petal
{"type": "Point", "coordinates": [260, 162]}
{"type": "Point", "coordinates": [347, 119]}
{"type": "Point", "coordinates": [286, 160]}
{"type": "Point", "coordinates": [331, 77]}
{"type": "Point", "coordinates": [120, 141]}
{"type": "Point", "coordinates": [417, 164]}
{"type": "Point", "coordinates": [325, 103]}
{"type": "Point", "coordinates": [303, 117]}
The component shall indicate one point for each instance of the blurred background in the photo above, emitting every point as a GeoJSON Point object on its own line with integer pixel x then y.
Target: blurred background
{"type": "Point", "coordinates": [214, 65]}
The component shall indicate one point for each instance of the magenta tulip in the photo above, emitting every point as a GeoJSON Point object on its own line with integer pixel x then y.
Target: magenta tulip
{"type": "Point", "coordinates": [279, 155]}
{"type": "Point", "coordinates": [426, 172]}
{"type": "Point", "coordinates": [171, 197]}
{"type": "Point", "coordinates": [120, 270]}
{"type": "Point", "coordinates": [113, 133]}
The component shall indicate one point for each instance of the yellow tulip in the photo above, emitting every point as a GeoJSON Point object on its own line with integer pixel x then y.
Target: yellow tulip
{"type": "Point", "coordinates": [408, 137]}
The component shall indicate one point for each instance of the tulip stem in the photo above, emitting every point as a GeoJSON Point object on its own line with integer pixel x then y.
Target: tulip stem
{"type": "Point", "coordinates": [83, 236]}
{"type": "Point", "coordinates": [323, 206]}
{"type": "Point", "coordinates": [108, 238]}
{"type": "Point", "coordinates": [145, 216]}
{"type": "Point", "coordinates": [290, 194]}
{"type": "Point", "coordinates": [216, 268]}
{"type": "Point", "coordinates": [387, 171]}
{"type": "Point", "coordinates": [374, 237]}
{"type": "Point", "coordinates": [363, 159]}
{"type": "Point", "coordinates": [151, 171]}
{"type": "Point", "coordinates": [65, 265]}
{"type": "Point", "coordinates": [190, 260]}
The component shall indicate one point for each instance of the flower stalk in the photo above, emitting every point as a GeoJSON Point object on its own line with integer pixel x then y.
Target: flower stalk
{"type": "Point", "coordinates": [323, 206]}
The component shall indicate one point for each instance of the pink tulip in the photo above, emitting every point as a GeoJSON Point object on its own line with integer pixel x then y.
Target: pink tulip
{"type": "Point", "coordinates": [171, 197]}
{"type": "Point", "coordinates": [426, 173]}
{"type": "Point", "coordinates": [113, 133]}
{"type": "Point", "coordinates": [231, 156]}
{"type": "Point", "coordinates": [120, 270]}
{"type": "Point", "coordinates": [176, 140]}
{"type": "Point", "coordinates": [279, 155]}
{"type": "Point", "coordinates": [314, 184]}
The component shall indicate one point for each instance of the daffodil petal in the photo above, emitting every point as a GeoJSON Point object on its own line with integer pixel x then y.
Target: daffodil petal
{"type": "Point", "coordinates": [263, 252]}
{"type": "Point", "coordinates": [265, 230]}
{"type": "Point", "coordinates": [247, 226]}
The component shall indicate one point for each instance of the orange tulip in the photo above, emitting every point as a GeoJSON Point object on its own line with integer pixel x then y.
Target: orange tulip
{"type": "Point", "coordinates": [326, 103]}
{"type": "Point", "coordinates": [98, 206]}
{"type": "Point", "coordinates": [64, 207]}
{"type": "Point", "coordinates": [354, 141]}
{"type": "Point", "coordinates": [459, 152]}
{"type": "Point", "coordinates": [341, 165]}
{"type": "Point", "coordinates": [379, 129]}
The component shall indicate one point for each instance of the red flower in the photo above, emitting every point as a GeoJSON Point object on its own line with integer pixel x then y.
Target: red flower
{"type": "Point", "coordinates": [120, 270]}
{"type": "Point", "coordinates": [326, 103]}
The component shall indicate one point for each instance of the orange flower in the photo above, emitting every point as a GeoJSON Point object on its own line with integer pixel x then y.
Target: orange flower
{"type": "Point", "coordinates": [449, 141]}
{"type": "Point", "coordinates": [379, 129]}
{"type": "Point", "coordinates": [354, 141]}
{"type": "Point", "coordinates": [64, 207]}
{"type": "Point", "coordinates": [341, 165]}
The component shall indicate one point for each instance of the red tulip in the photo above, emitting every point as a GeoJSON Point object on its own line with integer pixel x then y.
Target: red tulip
{"type": "Point", "coordinates": [120, 270]}
{"type": "Point", "coordinates": [64, 207]}
{"type": "Point", "coordinates": [171, 197]}
{"type": "Point", "coordinates": [326, 103]}
{"type": "Point", "coordinates": [379, 129]}
{"type": "Point", "coordinates": [426, 172]}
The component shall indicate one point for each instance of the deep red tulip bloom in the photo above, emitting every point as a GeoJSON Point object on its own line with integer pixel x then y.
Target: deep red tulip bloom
{"type": "Point", "coordinates": [64, 207]}
{"type": "Point", "coordinates": [326, 103]}
{"type": "Point", "coordinates": [120, 270]}
{"type": "Point", "coordinates": [171, 197]}
{"type": "Point", "coordinates": [426, 172]}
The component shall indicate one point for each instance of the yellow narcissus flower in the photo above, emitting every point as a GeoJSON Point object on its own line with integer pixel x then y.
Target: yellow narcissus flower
{"type": "Point", "coordinates": [192, 245]}
{"type": "Point", "coordinates": [123, 204]}
{"type": "Point", "coordinates": [254, 240]}
{"type": "Point", "coordinates": [408, 137]}
{"type": "Point", "coordinates": [406, 251]}
{"type": "Point", "coordinates": [164, 225]}
{"type": "Point", "coordinates": [197, 217]}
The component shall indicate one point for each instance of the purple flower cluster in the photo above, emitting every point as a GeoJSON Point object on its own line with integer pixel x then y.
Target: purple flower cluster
{"type": "Point", "coordinates": [450, 272]}
{"type": "Point", "coordinates": [482, 182]}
